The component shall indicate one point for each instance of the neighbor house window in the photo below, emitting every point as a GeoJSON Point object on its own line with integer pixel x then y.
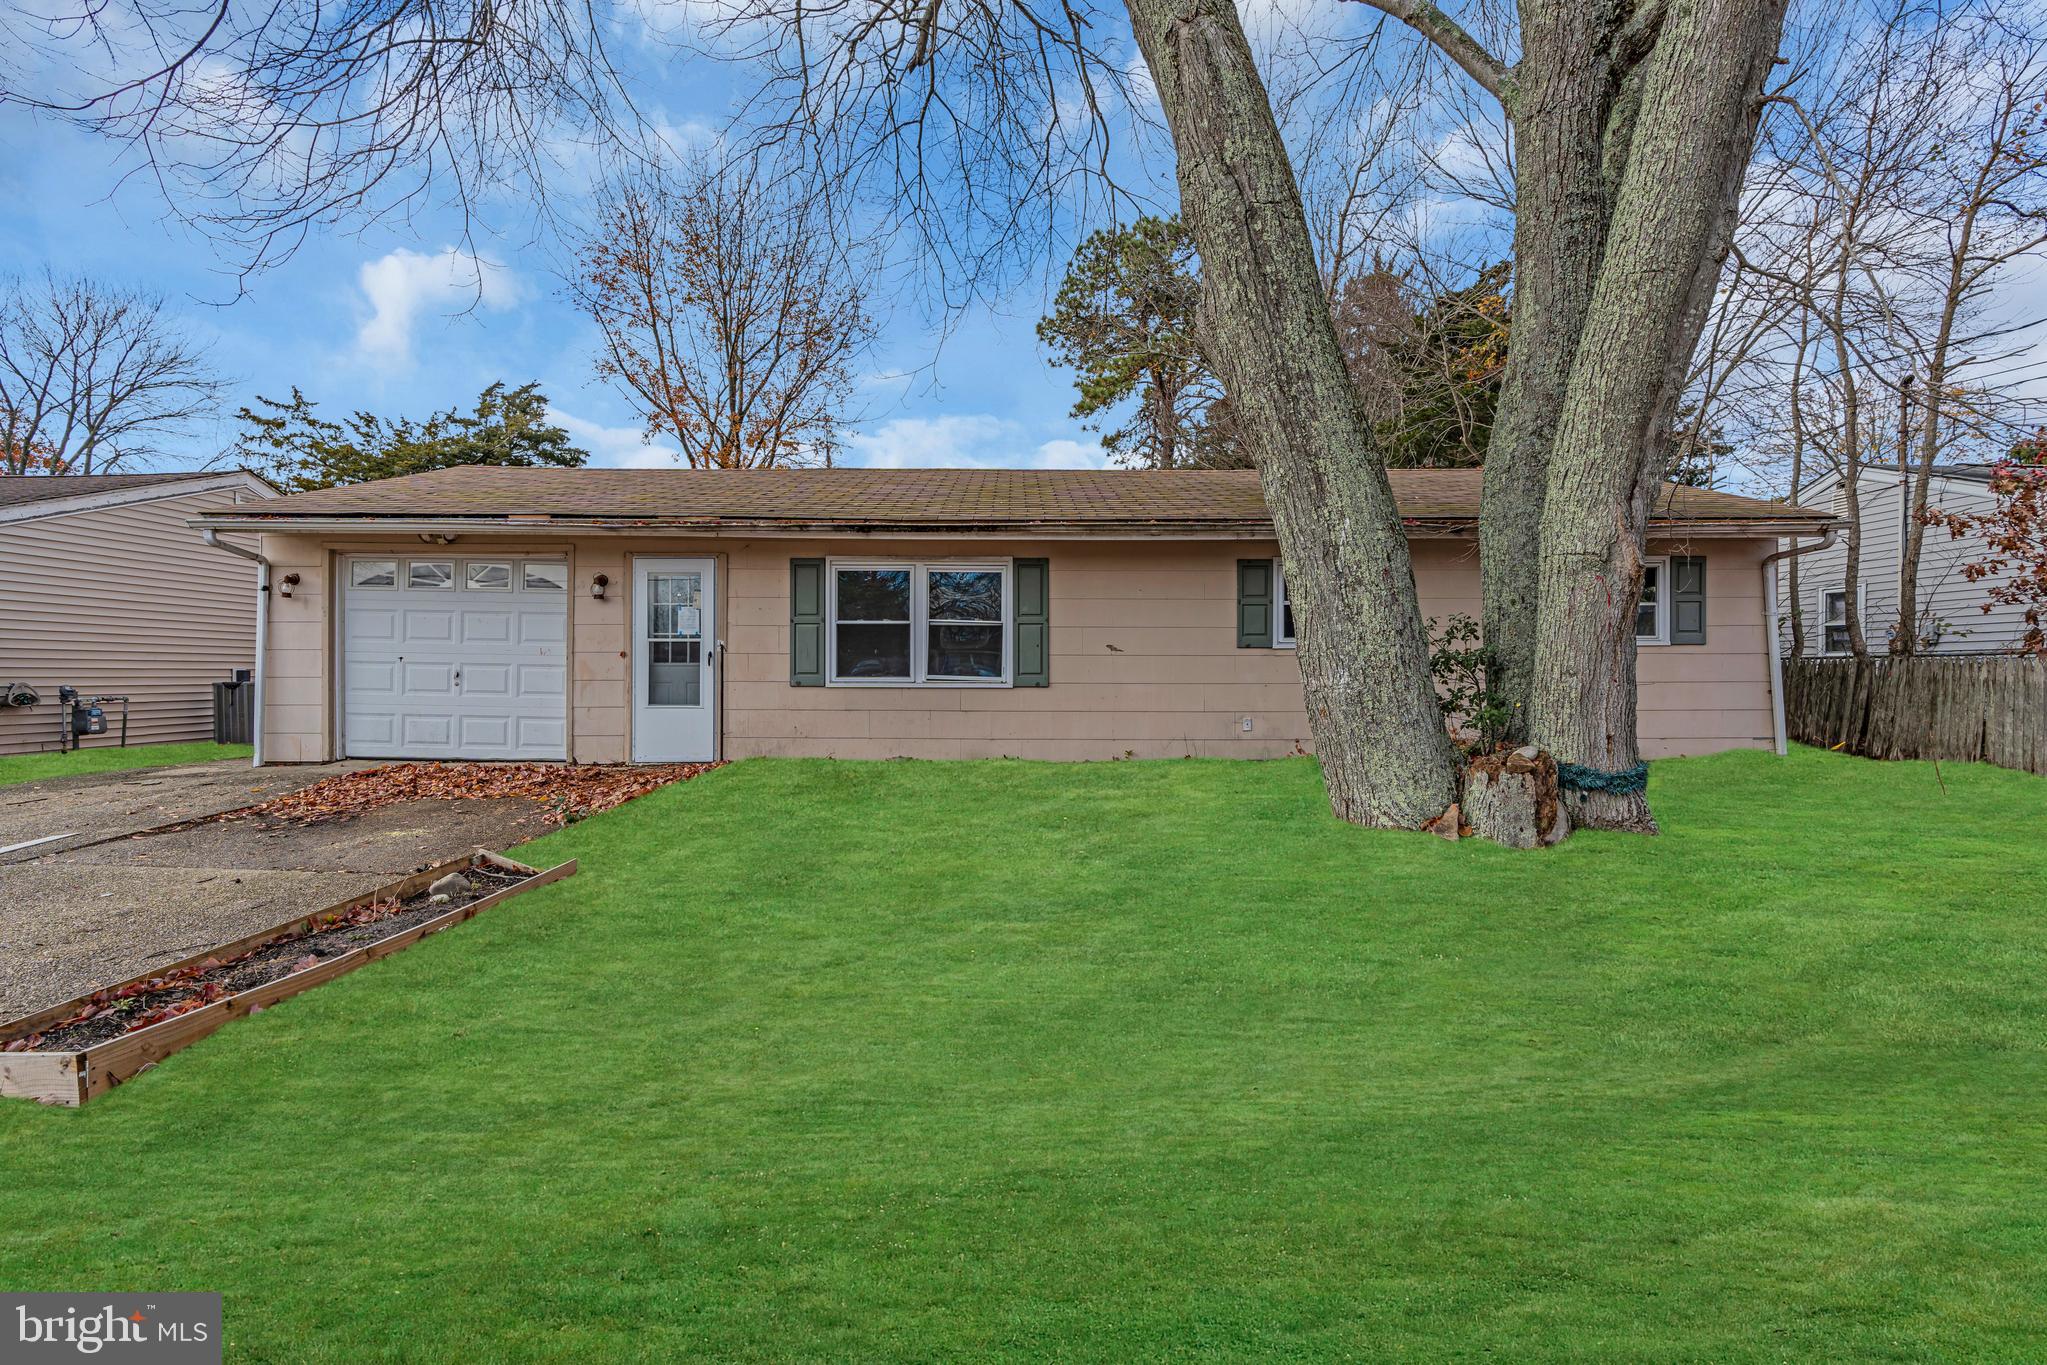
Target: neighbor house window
{"type": "Point", "coordinates": [1834, 621]}
{"type": "Point", "coordinates": [430, 573]}
{"type": "Point", "coordinates": [1283, 612]}
{"type": "Point", "coordinates": [1652, 610]}
{"type": "Point", "coordinates": [373, 573]}
{"type": "Point", "coordinates": [488, 577]}
{"type": "Point", "coordinates": [905, 623]}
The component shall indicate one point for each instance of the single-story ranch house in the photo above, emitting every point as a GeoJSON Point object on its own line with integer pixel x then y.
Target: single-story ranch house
{"type": "Point", "coordinates": [652, 615]}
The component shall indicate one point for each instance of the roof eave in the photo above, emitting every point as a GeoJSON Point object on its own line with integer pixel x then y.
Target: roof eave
{"type": "Point", "coordinates": [721, 528]}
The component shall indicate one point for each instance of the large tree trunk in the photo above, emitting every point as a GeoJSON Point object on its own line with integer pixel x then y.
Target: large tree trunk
{"type": "Point", "coordinates": [1673, 218]}
{"type": "Point", "coordinates": [1560, 104]}
{"type": "Point", "coordinates": [1385, 755]}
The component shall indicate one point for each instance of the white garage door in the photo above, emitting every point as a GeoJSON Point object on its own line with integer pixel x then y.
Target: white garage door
{"type": "Point", "coordinates": [455, 657]}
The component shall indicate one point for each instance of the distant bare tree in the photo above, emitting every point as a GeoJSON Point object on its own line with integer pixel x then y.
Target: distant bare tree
{"type": "Point", "coordinates": [730, 313]}
{"type": "Point", "coordinates": [1987, 212]}
{"type": "Point", "coordinates": [1861, 322]}
{"type": "Point", "coordinates": [92, 379]}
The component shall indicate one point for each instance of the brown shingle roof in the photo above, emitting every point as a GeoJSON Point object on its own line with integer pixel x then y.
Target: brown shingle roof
{"type": "Point", "coordinates": [16, 489]}
{"type": "Point", "coordinates": [1106, 501]}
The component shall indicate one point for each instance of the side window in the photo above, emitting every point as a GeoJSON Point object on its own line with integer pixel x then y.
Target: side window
{"type": "Point", "coordinates": [1652, 611]}
{"type": "Point", "coordinates": [1834, 620]}
{"type": "Point", "coordinates": [1283, 619]}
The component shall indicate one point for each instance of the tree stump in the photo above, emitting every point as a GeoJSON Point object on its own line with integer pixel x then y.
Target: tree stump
{"type": "Point", "coordinates": [1511, 798]}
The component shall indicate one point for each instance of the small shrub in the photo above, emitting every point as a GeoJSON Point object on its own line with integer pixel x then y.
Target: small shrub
{"type": "Point", "coordinates": [1463, 666]}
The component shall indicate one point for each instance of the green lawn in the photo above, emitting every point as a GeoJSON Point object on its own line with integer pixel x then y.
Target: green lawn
{"type": "Point", "coordinates": [1129, 1061]}
{"type": "Point", "coordinates": [36, 767]}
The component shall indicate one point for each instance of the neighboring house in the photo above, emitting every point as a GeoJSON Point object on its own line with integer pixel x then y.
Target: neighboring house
{"type": "Point", "coordinates": [105, 587]}
{"type": "Point", "coordinates": [1950, 607]}
{"type": "Point", "coordinates": [607, 615]}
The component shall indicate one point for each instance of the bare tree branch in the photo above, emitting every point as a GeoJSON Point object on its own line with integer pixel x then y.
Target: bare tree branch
{"type": "Point", "coordinates": [1455, 41]}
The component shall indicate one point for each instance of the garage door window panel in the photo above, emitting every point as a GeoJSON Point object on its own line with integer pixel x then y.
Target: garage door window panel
{"type": "Point", "coordinates": [488, 576]}
{"type": "Point", "coordinates": [430, 573]}
{"type": "Point", "coordinates": [373, 573]}
{"type": "Point", "coordinates": [546, 577]}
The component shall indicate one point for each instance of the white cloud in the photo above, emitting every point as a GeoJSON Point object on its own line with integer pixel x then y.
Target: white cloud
{"type": "Point", "coordinates": [403, 285]}
{"type": "Point", "coordinates": [615, 447]}
{"type": "Point", "coordinates": [1065, 454]}
{"type": "Point", "coordinates": [966, 441]}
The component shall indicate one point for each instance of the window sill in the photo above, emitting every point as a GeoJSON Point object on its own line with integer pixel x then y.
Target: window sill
{"type": "Point", "coordinates": [935, 685]}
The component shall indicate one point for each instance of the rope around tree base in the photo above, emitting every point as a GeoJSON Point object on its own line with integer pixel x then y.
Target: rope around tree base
{"type": "Point", "coordinates": [1623, 783]}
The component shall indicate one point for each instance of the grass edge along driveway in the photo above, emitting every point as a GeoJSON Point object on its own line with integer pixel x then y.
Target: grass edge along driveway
{"type": "Point", "coordinates": [1131, 1061]}
{"type": "Point", "coordinates": [115, 758]}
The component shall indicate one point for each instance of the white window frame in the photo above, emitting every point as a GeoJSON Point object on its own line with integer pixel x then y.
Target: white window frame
{"type": "Point", "coordinates": [1660, 563]}
{"type": "Point", "coordinates": [454, 576]}
{"type": "Point", "coordinates": [920, 636]}
{"type": "Point", "coordinates": [1280, 639]}
{"type": "Point", "coordinates": [1827, 594]}
{"type": "Point", "coordinates": [519, 581]}
{"type": "Point", "coordinates": [511, 567]}
{"type": "Point", "coordinates": [359, 563]}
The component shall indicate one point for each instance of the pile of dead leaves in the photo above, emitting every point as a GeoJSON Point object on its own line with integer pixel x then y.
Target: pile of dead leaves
{"type": "Point", "coordinates": [570, 791]}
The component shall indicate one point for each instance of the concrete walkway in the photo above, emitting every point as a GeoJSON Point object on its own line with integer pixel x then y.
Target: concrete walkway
{"type": "Point", "coordinates": [118, 893]}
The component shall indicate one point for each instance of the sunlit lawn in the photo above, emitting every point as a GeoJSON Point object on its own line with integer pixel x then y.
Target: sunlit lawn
{"type": "Point", "coordinates": [1131, 1061]}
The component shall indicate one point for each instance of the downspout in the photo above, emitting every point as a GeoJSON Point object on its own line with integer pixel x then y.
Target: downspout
{"type": "Point", "coordinates": [1826, 541]}
{"type": "Point", "coordinates": [262, 635]}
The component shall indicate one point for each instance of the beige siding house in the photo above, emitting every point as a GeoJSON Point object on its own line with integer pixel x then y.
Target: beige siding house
{"type": "Point", "coordinates": [620, 615]}
{"type": "Point", "coordinates": [106, 587]}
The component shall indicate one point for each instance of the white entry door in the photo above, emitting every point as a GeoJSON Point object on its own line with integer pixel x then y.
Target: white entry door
{"type": "Point", "coordinates": [454, 656]}
{"type": "Point", "coordinates": [674, 687]}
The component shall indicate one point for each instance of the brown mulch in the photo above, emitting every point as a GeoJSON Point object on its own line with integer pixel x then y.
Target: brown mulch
{"type": "Point", "coordinates": [108, 1014]}
{"type": "Point", "coordinates": [570, 791]}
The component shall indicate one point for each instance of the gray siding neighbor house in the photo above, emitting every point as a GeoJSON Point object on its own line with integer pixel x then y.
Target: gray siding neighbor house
{"type": "Point", "coordinates": [1951, 609]}
{"type": "Point", "coordinates": [106, 588]}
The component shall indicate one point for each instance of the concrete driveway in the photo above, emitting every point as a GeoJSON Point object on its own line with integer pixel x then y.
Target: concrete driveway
{"type": "Point", "coordinates": [131, 883]}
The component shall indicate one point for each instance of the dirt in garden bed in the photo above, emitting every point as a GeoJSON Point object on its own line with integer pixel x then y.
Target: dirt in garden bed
{"type": "Point", "coordinates": [110, 1014]}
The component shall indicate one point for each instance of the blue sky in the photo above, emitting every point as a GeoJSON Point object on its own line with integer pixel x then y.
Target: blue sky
{"type": "Point", "coordinates": [389, 321]}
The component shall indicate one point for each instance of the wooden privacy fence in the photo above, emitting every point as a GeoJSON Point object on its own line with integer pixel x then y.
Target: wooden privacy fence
{"type": "Point", "coordinates": [1969, 709]}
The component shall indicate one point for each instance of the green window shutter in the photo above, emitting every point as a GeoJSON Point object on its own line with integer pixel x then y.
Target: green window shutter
{"type": "Point", "coordinates": [1688, 599]}
{"type": "Point", "coordinates": [1033, 623]}
{"type": "Point", "coordinates": [1254, 604]}
{"type": "Point", "coordinates": [806, 623]}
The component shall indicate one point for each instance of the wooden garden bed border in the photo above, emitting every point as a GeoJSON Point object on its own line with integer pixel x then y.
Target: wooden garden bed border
{"type": "Point", "coordinates": [77, 1076]}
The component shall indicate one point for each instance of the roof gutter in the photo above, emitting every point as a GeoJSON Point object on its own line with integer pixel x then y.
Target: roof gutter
{"type": "Point", "coordinates": [1791, 551]}
{"type": "Point", "coordinates": [1147, 530]}
{"type": "Point", "coordinates": [262, 636]}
